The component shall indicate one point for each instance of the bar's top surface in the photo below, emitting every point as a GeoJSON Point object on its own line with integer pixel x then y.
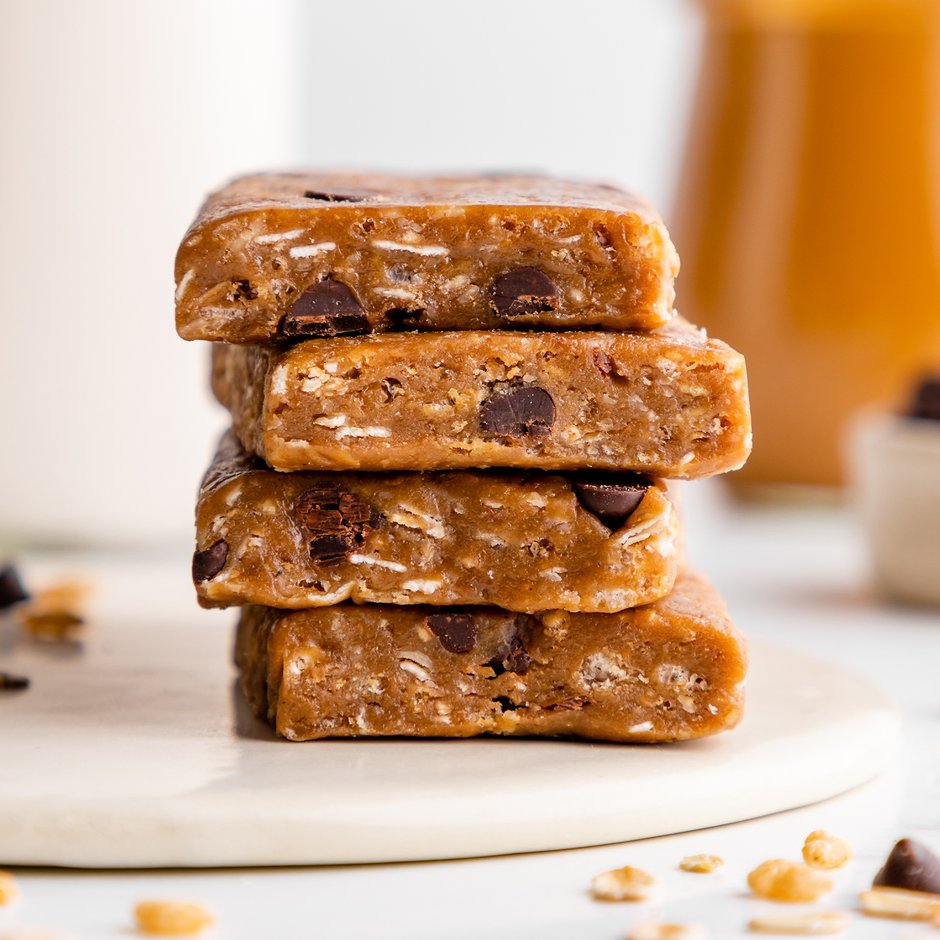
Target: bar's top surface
{"type": "Point", "coordinates": [342, 190]}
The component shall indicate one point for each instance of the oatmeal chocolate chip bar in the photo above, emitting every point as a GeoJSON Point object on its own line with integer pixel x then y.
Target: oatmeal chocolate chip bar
{"type": "Point", "coordinates": [672, 403]}
{"type": "Point", "coordinates": [522, 541]}
{"type": "Point", "coordinates": [327, 254]}
{"type": "Point", "coordinates": [669, 671]}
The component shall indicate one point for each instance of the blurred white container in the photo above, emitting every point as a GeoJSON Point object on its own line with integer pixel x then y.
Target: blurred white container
{"type": "Point", "coordinates": [896, 465]}
{"type": "Point", "coordinates": [116, 118]}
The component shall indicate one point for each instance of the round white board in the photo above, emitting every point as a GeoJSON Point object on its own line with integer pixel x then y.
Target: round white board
{"type": "Point", "coordinates": [136, 750]}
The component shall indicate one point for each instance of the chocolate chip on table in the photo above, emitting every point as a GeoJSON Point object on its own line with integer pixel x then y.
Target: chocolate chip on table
{"type": "Point", "coordinates": [911, 866]}
{"type": "Point", "coordinates": [457, 632]}
{"type": "Point", "coordinates": [207, 564]}
{"type": "Point", "coordinates": [331, 197]}
{"type": "Point", "coordinates": [523, 411]}
{"type": "Point", "coordinates": [326, 308]}
{"type": "Point", "coordinates": [521, 291]}
{"type": "Point", "coordinates": [613, 499]}
{"type": "Point", "coordinates": [11, 587]}
{"type": "Point", "coordinates": [336, 521]}
{"type": "Point", "coordinates": [926, 400]}
{"type": "Point", "coordinates": [11, 683]}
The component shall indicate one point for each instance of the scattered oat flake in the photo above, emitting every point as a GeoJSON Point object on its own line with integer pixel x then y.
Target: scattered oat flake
{"type": "Point", "coordinates": [824, 850]}
{"type": "Point", "coordinates": [171, 918]}
{"type": "Point", "coordinates": [653, 931]}
{"type": "Point", "coordinates": [701, 864]}
{"type": "Point", "coordinates": [7, 888]}
{"type": "Point", "coordinates": [811, 924]}
{"type": "Point", "coordinates": [779, 879]}
{"type": "Point", "coordinates": [623, 884]}
{"type": "Point", "coordinates": [900, 903]}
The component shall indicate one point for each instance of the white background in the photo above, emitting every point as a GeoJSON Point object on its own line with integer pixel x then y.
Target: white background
{"type": "Point", "coordinates": [117, 117]}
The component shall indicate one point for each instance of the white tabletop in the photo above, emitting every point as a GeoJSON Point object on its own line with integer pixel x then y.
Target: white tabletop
{"type": "Point", "coordinates": [795, 575]}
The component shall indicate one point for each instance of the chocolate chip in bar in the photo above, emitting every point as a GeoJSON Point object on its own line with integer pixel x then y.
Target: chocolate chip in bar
{"type": "Point", "coordinates": [911, 866]}
{"type": "Point", "coordinates": [926, 400]}
{"type": "Point", "coordinates": [523, 290]}
{"type": "Point", "coordinates": [11, 587]}
{"type": "Point", "coordinates": [207, 564]}
{"type": "Point", "coordinates": [523, 411]}
{"type": "Point", "coordinates": [613, 499]}
{"type": "Point", "coordinates": [326, 308]}
{"type": "Point", "coordinates": [457, 632]}
{"type": "Point", "coordinates": [11, 683]}
{"type": "Point", "coordinates": [336, 520]}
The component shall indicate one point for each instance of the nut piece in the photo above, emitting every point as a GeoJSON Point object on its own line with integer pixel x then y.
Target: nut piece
{"type": "Point", "coordinates": [171, 918]}
{"type": "Point", "coordinates": [701, 864]}
{"type": "Point", "coordinates": [824, 850]}
{"type": "Point", "coordinates": [815, 923]}
{"type": "Point", "coordinates": [781, 880]}
{"type": "Point", "coordinates": [623, 884]}
{"type": "Point", "coordinates": [653, 931]}
{"type": "Point", "coordinates": [900, 903]}
{"type": "Point", "coordinates": [7, 888]}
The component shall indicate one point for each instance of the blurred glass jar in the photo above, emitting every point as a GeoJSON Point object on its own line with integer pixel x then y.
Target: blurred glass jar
{"type": "Point", "coordinates": [807, 213]}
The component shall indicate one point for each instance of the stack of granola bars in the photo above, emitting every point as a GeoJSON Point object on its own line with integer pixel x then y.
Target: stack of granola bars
{"type": "Point", "coordinates": [441, 505]}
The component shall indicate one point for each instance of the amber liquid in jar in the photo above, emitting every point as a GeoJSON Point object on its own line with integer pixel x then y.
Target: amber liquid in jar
{"type": "Point", "coordinates": [807, 215]}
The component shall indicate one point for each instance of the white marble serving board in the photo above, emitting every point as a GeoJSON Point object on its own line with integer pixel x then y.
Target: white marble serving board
{"type": "Point", "coordinates": [136, 750]}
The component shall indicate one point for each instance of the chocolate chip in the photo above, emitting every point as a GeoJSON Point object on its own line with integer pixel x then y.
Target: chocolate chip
{"type": "Point", "coordinates": [911, 866]}
{"type": "Point", "coordinates": [926, 401]}
{"type": "Point", "coordinates": [11, 683]}
{"type": "Point", "coordinates": [326, 308]}
{"type": "Point", "coordinates": [336, 521]}
{"type": "Point", "coordinates": [523, 411]}
{"type": "Point", "coordinates": [331, 197]}
{"type": "Point", "coordinates": [613, 499]}
{"type": "Point", "coordinates": [11, 587]}
{"type": "Point", "coordinates": [521, 291]}
{"type": "Point", "coordinates": [329, 550]}
{"type": "Point", "coordinates": [207, 564]}
{"type": "Point", "coordinates": [457, 632]}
